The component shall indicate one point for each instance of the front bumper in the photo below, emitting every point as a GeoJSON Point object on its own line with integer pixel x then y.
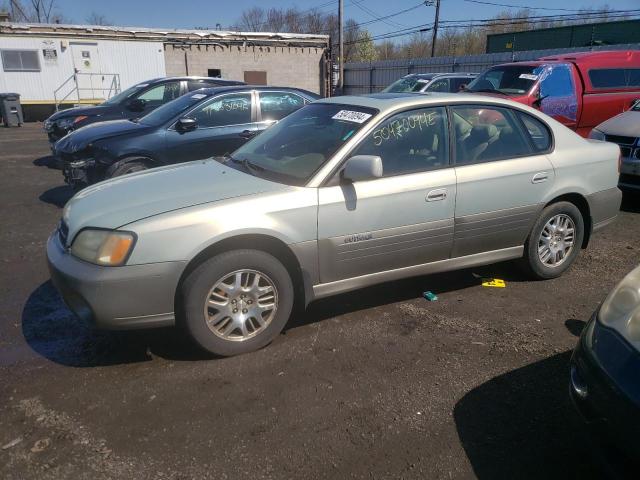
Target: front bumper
{"type": "Point", "coordinates": [605, 388]}
{"type": "Point", "coordinates": [127, 297]}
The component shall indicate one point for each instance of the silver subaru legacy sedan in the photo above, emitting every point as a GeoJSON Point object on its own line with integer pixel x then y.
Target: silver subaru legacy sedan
{"type": "Point", "coordinates": [344, 193]}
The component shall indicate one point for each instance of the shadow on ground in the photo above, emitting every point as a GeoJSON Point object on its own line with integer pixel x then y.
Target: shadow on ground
{"type": "Point", "coordinates": [54, 332]}
{"type": "Point", "coordinates": [57, 196]}
{"type": "Point", "coordinates": [47, 161]}
{"type": "Point", "coordinates": [630, 202]}
{"type": "Point", "coordinates": [522, 425]}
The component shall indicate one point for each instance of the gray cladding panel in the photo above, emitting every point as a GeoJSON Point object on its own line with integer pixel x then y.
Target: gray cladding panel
{"type": "Point", "coordinates": [493, 230]}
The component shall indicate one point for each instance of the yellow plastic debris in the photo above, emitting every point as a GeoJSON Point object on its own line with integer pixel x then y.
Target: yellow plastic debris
{"type": "Point", "coordinates": [493, 282]}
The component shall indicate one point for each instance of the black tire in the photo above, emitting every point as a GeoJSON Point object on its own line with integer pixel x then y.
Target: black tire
{"type": "Point", "coordinates": [196, 288]}
{"type": "Point", "coordinates": [532, 262]}
{"type": "Point", "coordinates": [126, 166]}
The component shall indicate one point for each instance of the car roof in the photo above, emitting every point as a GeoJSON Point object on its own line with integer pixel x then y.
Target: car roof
{"type": "Point", "coordinates": [220, 81]}
{"type": "Point", "coordinates": [444, 74]}
{"type": "Point", "coordinates": [387, 102]}
{"type": "Point", "coordinates": [235, 88]}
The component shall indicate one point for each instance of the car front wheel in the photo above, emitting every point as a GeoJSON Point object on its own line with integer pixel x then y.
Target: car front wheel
{"type": "Point", "coordinates": [554, 241]}
{"type": "Point", "coordinates": [237, 301]}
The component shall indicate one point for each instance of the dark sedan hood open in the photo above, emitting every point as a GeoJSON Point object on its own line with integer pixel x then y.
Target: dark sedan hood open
{"type": "Point", "coordinates": [79, 139]}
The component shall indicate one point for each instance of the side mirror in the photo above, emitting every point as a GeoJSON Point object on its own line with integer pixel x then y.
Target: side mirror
{"type": "Point", "coordinates": [362, 167]}
{"type": "Point", "coordinates": [186, 124]}
{"type": "Point", "coordinates": [136, 105]}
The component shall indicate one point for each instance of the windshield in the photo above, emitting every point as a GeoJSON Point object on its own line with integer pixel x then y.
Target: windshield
{"type": "Point", "coordinates": [294, 148]}
{"type": "Point", "coordinates": [169, 110]}
{"type": "Point", "coordinates": [507, 79]}
{"type": "Point", "coordinates": [125, 94]}
{"type": "Point", "coordinates": [407, 84]}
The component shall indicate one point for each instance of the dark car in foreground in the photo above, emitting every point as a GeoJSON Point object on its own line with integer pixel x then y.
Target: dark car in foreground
{"type": "Point", "coordinates": [605, 375]}
{"type": "Point", "coordinates": [431, 82]}
{"type": "Point", "coordinates": [208, 122]}
{"type": "Point", "coordinates": [133, 102]}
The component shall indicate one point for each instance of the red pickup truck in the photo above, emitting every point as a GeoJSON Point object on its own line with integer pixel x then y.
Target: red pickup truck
{"type": "Point", "coordinates": [580, 90]}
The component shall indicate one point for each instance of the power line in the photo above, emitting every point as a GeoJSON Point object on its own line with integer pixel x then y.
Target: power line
{"type": "Point", "coordinates": [370, 12]}
{"type": "Point", "coordinates": [520, 6]}
{"type": "Point", "coordinates": [369, 22]}
{"type": "Point", "coordinates": [574, 16]}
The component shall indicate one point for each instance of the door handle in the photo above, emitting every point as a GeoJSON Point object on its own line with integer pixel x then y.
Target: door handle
{"type": "Point", "coordinates": [540, 177]}
{"type": "Point", "coordinates": [247, 134]}
{"type": "Point", "coordinates": [436, 195]}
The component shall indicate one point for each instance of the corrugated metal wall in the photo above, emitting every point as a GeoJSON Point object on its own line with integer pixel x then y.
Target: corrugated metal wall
{"type": "Point", "coordinates": [599, 34]}
{"type": "Point", "coordinates": [372, 77]}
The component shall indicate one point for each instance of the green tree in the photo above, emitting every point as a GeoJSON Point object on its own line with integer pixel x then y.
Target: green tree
{"type": "Point", "coordinates": [365, 49]}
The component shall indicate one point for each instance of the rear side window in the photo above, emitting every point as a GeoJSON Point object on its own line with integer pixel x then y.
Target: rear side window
{"type": "Point", "coordinates": [486, 134]}
{"type": "Point", "coordinates": [440, 85]}
{"type": "Point", "coordinates": [232, 109]}
{"type": "Point", "coordinates": [615, 77]}
{"type": "Point", "coordinates": [538, 132]}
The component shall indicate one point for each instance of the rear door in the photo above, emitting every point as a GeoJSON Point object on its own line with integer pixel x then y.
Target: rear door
{"type": "Point", "coordinates": [404, 218]}
{"type": "Point", "coordinates": [225, 122]}
{"type": "Point", "coordinates": [503, 174]}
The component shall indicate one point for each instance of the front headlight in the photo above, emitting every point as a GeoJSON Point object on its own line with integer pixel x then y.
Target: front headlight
{"type": "Point", "coordinates": [597, 135]}
{"type": "Point", "coordinates": [103, 247]}
{"type": "Point", "coordinates": [621, 309]}
{"type": "Point", "coordinates": [70, 121]}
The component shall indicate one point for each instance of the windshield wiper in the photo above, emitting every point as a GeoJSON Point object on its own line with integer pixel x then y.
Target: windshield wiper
{"type": "Point", "coordinates": [247, 164]}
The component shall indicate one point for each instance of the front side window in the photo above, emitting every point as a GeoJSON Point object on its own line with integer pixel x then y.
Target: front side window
{"type": "Point", "coordinates": [412, 83]}
{"type": "Point", "coordinates": [233, 109]}
{"type": "Point", "coordinates": [557, 93]}
{"type": "Point", "coordinates": [277, 105]}
{"type": "Point", "coordinates": [441, 85]}
{"type": "Point", "coordinates": [20, 61]}
{"type": "Point", "coordinates": [170, 110]}
{"type": "Point", "coordinates": [486, 134]}
{"type": "Point", "coordinates": [161, 94]}
{"type": "Point", "coordinates": [409, 142]}
{"type": "Point", "coordinates": [294, 148]}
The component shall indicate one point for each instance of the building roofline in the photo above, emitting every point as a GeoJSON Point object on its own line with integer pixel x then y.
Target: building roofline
{"type": "Point", "coordinates": [168, 35]}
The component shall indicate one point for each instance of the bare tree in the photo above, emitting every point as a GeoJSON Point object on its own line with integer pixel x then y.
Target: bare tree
{"type": "Point", "coordinates": [35, 11]}
{"type": "Point", "coordinates": [96, 18]}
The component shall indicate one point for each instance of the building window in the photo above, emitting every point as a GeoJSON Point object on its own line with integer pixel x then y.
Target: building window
{"type": "Point", "coordinates": [214, 73]}
{"type": "Point", "coordinates": [20, 61]}
{"type": "Point", "coordinates": [255, 77]}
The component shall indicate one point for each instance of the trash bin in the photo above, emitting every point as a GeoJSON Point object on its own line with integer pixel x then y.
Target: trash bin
{"type": "Point", "coordinates": [11, 110]}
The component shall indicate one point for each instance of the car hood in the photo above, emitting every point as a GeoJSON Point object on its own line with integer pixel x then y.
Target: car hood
{"type": "Point", "coordinates": [626, 124]}
{"type": "Point", "coordinates": [79, 139]}
{"type": "Point", "coordinates": [92, 111]}
{"type": "Point", "coordinates": [123, 200]}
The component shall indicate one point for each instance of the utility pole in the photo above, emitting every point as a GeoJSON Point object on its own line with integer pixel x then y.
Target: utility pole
{"type": "Point", "coordinates": [341, 47]}
{"type": "Point", "coordinates": [435, 29]}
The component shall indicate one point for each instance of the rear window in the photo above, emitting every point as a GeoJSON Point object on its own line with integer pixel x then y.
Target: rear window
{"type": "Point", "coordinates": [615, 77]}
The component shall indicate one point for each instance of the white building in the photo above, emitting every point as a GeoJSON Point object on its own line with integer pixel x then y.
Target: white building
{"type": "Point", "coordinates": [54, 65]}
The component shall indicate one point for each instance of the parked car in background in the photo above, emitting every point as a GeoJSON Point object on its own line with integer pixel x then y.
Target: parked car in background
{"type": "Point", "coordinates": [580, 90]}
{"type": "Point", "coordinates": [624, 129]}
{"type": "Point", "coordinates": [605, 380]}
{"type": "Point", "coordinates": [344, 193]}
{"type": "Point", "coordinates": [133, 102]}
{"type": "Point", "coordinates": [431, 82]}
{"type": "Point", "coordinates": [202, 124]}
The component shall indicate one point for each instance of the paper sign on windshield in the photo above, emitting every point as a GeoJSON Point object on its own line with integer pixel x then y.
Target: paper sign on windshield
{"type": "Point", "coordinates": [351, 116]}
{"type": "Point", "coordinates": [528, 76]}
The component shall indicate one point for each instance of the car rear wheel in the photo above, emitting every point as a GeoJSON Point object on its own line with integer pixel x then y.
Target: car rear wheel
{"type": "Point", "coordinates": [555, 241]}
{"type": "Point", "coordinates": [127, 166]}
{"type": "Point", "coordinates": [237, 301]}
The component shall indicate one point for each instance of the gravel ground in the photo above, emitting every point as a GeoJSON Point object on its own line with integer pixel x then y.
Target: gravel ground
{"type": "Point", "coordinates": [377, 383]}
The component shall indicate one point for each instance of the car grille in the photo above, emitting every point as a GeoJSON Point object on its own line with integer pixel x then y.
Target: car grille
{"type": "Point", "coordinates": [63, 232]}
{"type": "Point", "coordinates": [625, 151]}
{"type": "Point", "coordinates": [620, 140]}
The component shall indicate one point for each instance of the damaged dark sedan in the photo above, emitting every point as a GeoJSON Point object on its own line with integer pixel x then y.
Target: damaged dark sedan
{"type": "Point", "coordinates": [205, 123]}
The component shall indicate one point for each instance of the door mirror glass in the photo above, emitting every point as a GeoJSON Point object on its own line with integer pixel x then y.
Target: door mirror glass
{"type": "Point", "coordinates": [186, 124]}
{"type": "Point", "coordinates": [362, 167]}
{"type": "Point", "coordinates": [136, 105]}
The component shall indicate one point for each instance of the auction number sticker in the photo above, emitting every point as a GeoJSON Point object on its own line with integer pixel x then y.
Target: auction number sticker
{"type": "Point", "coordinates": [351, 116]}
{"type": "Point", "coordinates": [528, 76]}
{"type": "Point", "coordinates": [198, 96]}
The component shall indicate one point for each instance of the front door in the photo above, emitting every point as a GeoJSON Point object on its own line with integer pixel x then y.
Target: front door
{"type": "Point", "coordinates": [503, 175]}
{"type": "Point", "coordinates": [224, 123]}
{"type": "Point", "coordinates": [404, 218]}
{"type": "Point", "coordinates": [86, 63]}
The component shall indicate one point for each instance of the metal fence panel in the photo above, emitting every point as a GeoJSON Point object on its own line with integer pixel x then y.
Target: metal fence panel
{"type": "Point", "coordinates": [364, 77]}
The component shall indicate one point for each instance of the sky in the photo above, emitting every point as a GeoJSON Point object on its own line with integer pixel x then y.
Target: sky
{"type": "Point", "coordinates": [208, 13]}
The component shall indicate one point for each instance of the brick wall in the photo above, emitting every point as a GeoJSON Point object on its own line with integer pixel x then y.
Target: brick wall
{"type": "Point", "coordinates": [285, 66]}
